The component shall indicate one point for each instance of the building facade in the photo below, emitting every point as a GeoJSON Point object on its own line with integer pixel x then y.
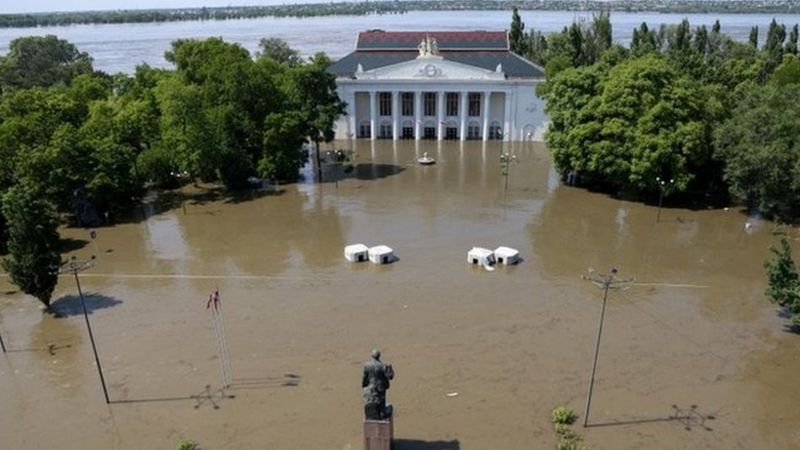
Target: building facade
{"type": "Point", "coordinates": [438, 85]}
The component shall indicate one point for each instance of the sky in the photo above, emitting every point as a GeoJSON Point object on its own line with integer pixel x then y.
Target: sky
{"type": "Point", "coordinates": [17, 6]}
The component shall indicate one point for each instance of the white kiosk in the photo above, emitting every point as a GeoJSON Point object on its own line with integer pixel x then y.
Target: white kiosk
{"type": "Point", "coordinates": [356, 253]}
{"type": "Point", "coordinates": [506, 255]}
{"type": "Point", "coordinates": [480, 256]}
{"type": "Point", "coordinates": [381, 254]}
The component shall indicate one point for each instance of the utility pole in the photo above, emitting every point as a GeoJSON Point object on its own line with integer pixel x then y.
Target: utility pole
{"type": "Point", "coordinates": [605, 282]}
{"type": "Point", "coordinates": [2, 344]}
{"type": "Point", "coordinates": [74, 266]}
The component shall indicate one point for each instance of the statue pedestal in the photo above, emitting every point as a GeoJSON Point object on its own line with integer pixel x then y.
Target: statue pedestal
{"type": "Point", "coordinates": [378, 434]}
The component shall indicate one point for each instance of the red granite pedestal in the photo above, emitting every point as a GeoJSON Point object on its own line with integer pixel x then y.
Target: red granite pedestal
{"type": "Point", "coordinates": [378, 434]}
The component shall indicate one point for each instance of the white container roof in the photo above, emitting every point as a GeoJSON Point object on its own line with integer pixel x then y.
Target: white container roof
{"type": "Point", "coordinates": [506, 252]}
{"type": "Point", "coordinates": [380, 250]}
{"type": "Point", "coordinates": [356, 248]}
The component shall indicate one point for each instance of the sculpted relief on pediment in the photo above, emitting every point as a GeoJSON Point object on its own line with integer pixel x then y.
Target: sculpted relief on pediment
{"type": "Point", "coordinates": [430, 67]}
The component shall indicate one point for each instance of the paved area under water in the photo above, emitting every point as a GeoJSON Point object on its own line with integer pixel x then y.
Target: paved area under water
{"type": "Point", "coordinates": [695, 329]}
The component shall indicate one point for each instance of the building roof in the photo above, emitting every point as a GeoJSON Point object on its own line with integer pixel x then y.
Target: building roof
{"type": "Point", "coordinates": [446, 40]}
{"type": "Point", "coordinates": [484, 49]}
{"type": "Point", "coordinates": [514, 66]}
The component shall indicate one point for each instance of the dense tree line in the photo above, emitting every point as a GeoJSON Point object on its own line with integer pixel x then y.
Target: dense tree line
{"type": "Point", "coordinates": [684, 104]}
{"type": "Point", "coordinates": [392, 7]}
{"type": "Point", "coordinates": [69, 132]}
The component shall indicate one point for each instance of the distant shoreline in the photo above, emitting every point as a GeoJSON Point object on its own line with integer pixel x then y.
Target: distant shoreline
{"type": "Point", "coordinates": [24, 20]}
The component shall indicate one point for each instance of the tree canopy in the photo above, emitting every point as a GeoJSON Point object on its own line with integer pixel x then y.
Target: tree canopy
{"type": "Point", "coordinates": [219, 116]}
{"type": "Point", "coordinates": [42, 61]}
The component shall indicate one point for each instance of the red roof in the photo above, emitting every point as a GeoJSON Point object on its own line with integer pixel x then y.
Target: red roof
{"type": "Point", "coordinates": [446, 40]}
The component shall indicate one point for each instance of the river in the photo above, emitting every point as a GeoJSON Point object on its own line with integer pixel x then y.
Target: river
{"type": "Point", "coordinates": [694, 329]}
{"type": "Point", "coordinates": [119, 48]}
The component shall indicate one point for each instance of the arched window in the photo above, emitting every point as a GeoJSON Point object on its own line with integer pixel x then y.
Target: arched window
{"type": "Point", "coordinates": [429, 129]}
{"type": "Point", "coordinates": [495, 130]}
{"type": "Point", "coordinates": [407, 130]}
{"type": "Point", "coordinates": [364, 130]}
{"type": "Point", "coordinates": [385, 131]}
{"type": "Point", "coordinates": [473, 130]}
{"type": "Point", "coordinates": [451, 129]}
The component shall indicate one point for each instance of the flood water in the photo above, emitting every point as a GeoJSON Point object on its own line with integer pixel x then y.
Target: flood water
{"type": "Point", "coordinates": [121, 47]}
{"type": "Point", "coordinates": [694, 329]}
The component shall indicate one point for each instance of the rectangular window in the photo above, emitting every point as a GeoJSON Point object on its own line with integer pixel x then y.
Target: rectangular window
{"type": "Point", "coordinates": [474, 104]}
{"type": "Point", "coordinates": [452, 103]}
{"type": "Point", "coordinates": [408, 103]}
{"type": "Point", "coordinates": [429, 133]}
{"type": "Point", "coordinates": [430, 103]}
{"type": "Point", "coordinates": [385, 101]}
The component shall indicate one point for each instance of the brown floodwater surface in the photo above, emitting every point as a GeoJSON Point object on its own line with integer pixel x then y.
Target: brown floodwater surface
{"type": "Point", "coordinates": [692, 355]}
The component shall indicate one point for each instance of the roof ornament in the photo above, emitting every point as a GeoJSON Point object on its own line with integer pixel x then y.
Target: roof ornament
{"type": "Point", "coordinates": [499, 68]}
{"type": "Point", "coordinates": [359, 68]}
{"type": "Point", "coordinates": [428, 47]}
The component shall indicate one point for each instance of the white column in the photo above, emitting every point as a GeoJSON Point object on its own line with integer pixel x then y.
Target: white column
{"type": "Point", "coordinates": [507, 117]}
{"type": "Point", "coordinates": [395, 115]}
{"type": "Point", "coordinates": [417, 115]}
{"type": "Point", "coordinates": [373, 114]}
{"type": "Point", "coordinates": [440, 114]}
{"type": "Point", "coordinates": [487, 97]}
{"type": "Point", "coordinates": [352, 130]}
{"type": "Point", "coordinates": [463, 99]}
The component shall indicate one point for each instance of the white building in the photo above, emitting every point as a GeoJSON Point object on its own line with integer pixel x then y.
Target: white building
{"type": "Point", "coordinates": [438, 85]}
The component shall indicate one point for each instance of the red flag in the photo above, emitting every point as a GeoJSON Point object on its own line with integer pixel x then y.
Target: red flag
{"type": "Point", "coordinates": [213, 298]}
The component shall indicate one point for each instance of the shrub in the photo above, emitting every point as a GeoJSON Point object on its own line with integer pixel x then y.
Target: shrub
{"type": "Point", "coordinates": [563, 415]}
{"type": "Point", "coordinates": [185, 444]}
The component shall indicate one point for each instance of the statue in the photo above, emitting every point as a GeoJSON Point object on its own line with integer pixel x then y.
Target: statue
{"type": "Point", "coordinates": [375, 383]}
{"type": "Point", "coordinates": [428, 47]}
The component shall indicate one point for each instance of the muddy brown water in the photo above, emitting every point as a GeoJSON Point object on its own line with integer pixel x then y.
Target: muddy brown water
{"type": "Point", "coordinates": [695, 329]}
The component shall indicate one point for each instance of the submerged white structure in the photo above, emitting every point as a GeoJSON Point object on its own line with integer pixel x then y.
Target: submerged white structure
{"type": "Point", "coordinates": [356, 253]}
{"type": "Point", "coordinates": [438, 85]}
{"type": "Point", "coordinates": [481, 256]}
{"type": "Point", "coordinates": [506, 255]}
{"type": "Point", "coordinates": [381, 254]}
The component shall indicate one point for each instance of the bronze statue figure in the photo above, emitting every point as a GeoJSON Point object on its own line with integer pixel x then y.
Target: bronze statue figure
{"type": "Point", "coordinates": [375, 383]}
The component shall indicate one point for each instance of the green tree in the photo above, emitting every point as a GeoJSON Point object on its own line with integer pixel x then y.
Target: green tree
{"type": "Point", "coordinates": [42, 61]}
{"type": "Point", "coordinates": [753, 38]}
{"type": "Point", "coordinates": [32, 242]}
{"type": "Point", "coordinates": [516, 34]}
{"type": "Point", "coordinates": [758, 145]}
{"type": "Point", "coordinates": [278, 50]}
{"type": "Point", "coordinates": [788, 72]}
{"type": "Point", "coordinates": [791, 44]}
{"type": "Point", "coordinates": [783, 287]}
{"type": "Point", "coordinates": [311, 91]}
{"type": "Point", "coordinates": [639, 121]}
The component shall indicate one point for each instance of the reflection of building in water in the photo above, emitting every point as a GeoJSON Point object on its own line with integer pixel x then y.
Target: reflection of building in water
{"type": "Point", "coordinates": [438, 85]}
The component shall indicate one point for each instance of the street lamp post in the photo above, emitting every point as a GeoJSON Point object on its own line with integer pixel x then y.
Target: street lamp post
{"type": "Point", "coordinates": [505, 160]}
{"type": "Point", "coordinates": [74, 266]}
{"type": "Point", "coordinates": [2, 344]}
{"type": "Point", "coordinates": [663, 185]}
{"type": "Point", "coordinates": [606, 282]}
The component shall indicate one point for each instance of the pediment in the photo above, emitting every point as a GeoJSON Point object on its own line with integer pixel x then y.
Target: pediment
{"type": "Point", "coordinates": [430, 67]}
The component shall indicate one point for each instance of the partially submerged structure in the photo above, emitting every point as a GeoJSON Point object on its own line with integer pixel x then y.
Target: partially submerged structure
{"type": "Point", "coordinates": [356, 253]}
{"type": "Point", "coordinates": [438, 85]}
{"type": "Point", "coordinates": [381, 254]}
{"type": "Point", "coordinates": [481, 256]}
{"type": "Point", "coordinates": [506, 255]}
